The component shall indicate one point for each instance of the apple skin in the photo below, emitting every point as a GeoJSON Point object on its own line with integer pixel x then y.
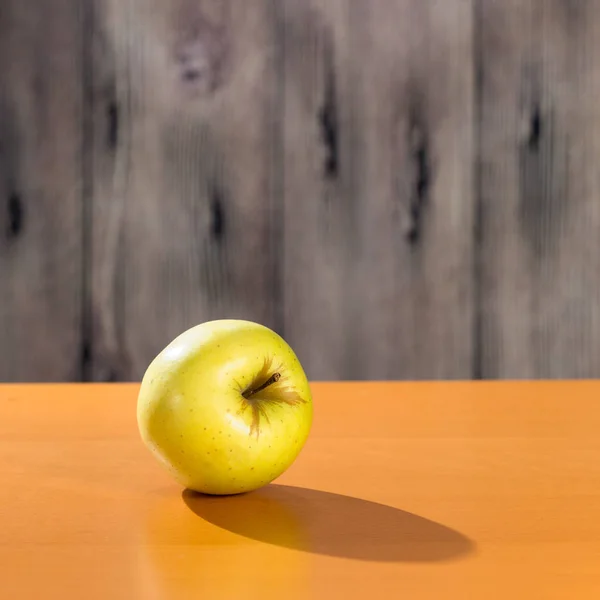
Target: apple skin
{"type": "Point", "coordinates": [195, 420]}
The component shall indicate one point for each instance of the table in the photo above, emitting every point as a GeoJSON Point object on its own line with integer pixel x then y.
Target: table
{"type": "Point", "coordinates": [414, 490]}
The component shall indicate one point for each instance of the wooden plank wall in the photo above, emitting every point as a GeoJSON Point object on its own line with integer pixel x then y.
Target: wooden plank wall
{"type": "Point", "coordinates": [538, 168]}
{"type": "Point", "coordinates": [405, 189]}
{"type": "Point", "coordinates": [41, 189]}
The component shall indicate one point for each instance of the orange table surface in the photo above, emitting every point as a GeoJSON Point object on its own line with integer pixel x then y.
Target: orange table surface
{"type": "Point", "coordinates": [404, 490]}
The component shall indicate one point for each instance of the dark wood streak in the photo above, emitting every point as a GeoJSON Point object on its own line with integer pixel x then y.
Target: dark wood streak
{"type": "Point", "coordinates": [88, 71]}
{"type": "Point", "coordinates": [535, 129]}
{"type": "Point", "coordinates": [10, 155]}
{"type": "Point", "coordinates": [16, 216]}
{"type": "Point", "coordinates": [112, 125]}
{"type": "Point", "coordinates": [542, 182]}
{"type": "Point", "coordinates": [86, 358]}
{"type": "Point", "coordinates": [329, 123]}
{"type": "Point", "coordinates": [217, 212]}
{"type": "Point", "coordinates": [419, 145]}
{"type": "Point", "coordinates": [479, 350]}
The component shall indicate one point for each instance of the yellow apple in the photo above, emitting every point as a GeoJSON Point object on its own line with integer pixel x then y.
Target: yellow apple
{"type": "Point", "coordinates": [226, 407]}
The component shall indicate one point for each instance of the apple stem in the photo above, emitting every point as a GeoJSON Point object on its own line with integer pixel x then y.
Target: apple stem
{"type": "Point", "coordinates": [273, 379]}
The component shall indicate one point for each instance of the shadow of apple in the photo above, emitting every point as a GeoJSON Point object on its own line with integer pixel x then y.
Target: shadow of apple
{"type": "Point", "coordinates": [330, 524]}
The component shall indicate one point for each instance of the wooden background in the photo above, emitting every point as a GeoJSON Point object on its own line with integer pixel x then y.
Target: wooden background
{"type": "Point", "coordinates": [404, 189]}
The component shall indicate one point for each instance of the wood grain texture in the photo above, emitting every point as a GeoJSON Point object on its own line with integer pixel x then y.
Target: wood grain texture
{"type": "Point", "coordinates": [41, 222]}
{"type": "Point", "coordinates": [403, 189]}
{"type": "Point", "coordinates": [378, 157]}
{"type": "Point", "coordinates": [440, 490]}
{"type": "Point", "coordinates": [185, 212]}
{"type": "Point", "coordinates": [539, 188]}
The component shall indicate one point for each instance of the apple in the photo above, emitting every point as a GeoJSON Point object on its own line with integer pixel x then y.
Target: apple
{"type": "Point", "coordinates": [226, 407]}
